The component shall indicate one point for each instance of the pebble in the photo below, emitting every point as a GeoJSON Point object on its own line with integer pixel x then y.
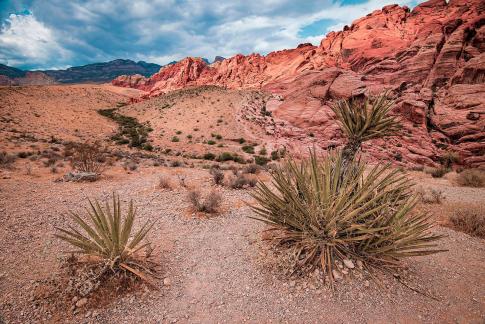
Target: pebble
{"type": "Point", "coordinates": [349, 264]}
{"type": "Point", "coordinates": [167, 282]}
{"type": "Point", "coordinates": [81, 302]}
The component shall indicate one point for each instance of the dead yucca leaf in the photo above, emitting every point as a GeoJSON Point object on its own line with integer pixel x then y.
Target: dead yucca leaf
{"type": "Point", "coordinates": [108, 237]}
{"type": "Point", "coordinates": [326, 213]}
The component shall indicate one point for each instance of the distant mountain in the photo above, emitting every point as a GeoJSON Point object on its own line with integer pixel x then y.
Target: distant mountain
{"type": "Point", "coordinates": [90, 73]}
{"type": "Point", "coordinates": [218, 59]}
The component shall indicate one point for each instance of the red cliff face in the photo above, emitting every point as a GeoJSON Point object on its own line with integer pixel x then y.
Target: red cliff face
{"type": "Point", "coordinates": [431, 58]}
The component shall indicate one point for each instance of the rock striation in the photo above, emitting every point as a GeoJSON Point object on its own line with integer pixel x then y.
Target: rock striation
{"type": "Point", "coordinates": [431, 59]}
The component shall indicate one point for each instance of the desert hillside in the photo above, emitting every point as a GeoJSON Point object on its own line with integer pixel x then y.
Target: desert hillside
{"type": "Point", "coordinates": [430, 58]}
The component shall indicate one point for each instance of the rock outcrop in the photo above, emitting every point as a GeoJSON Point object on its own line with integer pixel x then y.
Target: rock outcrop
{"type": "Point", "coordinates": [431, 59]}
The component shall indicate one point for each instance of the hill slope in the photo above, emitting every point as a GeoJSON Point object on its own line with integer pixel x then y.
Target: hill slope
{"type": "Point", "coordinates": [431, 58]}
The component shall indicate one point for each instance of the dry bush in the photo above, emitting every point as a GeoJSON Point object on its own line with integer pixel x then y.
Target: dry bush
{"type": "Point", "coordinates": [252, 168]}
{"type": "Point", "coordinates": [240, 181]}
{"type": "Point", "coordinates": [6, 160]}
{"type": "Point", "coordinates": [165, 182]}
{"type": "Point", "coordinates": [87, 157]}
{"type": "Point", "coordinates": [437, 172]}
{"type": "Point", "coordinates": [108, 238]}
{"type": "Point", "coordinates": [471, 178]}
{"type": "Point", "coordinates": [130, 165]}
{"type": "Point", "coordinates": [217, 176]}
{"type": "Point", "coordinates": [430, 195]}
{"type": "Point", "coordinates": [469, 218]}
{"type": "Point", "coordinates": [209, 204]}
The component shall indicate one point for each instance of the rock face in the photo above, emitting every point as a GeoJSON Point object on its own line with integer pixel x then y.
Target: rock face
{"type": "Point", "coordinates": [431, 59]}
{"type": "Point", "coordinates": [91, 73]}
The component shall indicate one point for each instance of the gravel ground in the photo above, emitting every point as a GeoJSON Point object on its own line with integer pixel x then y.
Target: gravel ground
{"type": "Point", "coordinates": [217, 270]}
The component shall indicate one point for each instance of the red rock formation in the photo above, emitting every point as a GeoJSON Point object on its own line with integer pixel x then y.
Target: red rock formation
{"type": "Point", "coordinates": [431, 58]}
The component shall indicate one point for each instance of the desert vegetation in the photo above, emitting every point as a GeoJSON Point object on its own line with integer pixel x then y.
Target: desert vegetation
{"type": "Point", "coordinates": [328, 212]}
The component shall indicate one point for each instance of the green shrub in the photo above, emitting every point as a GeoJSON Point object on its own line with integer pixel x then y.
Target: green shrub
{"type": "Point", "coordinates": [241, 140]}
{"type": "Point", "coordinates": [263, 151]}
{"type": "Point", "coordinates": [106, 235]}
{"type": "Point", "coordinates": [328, 214]}
{"type": "Point", "coordinates": [248, 149]}
{"type": "Point", "coordinates": [261, 160]}
{"type": "Point", "coordinates": [175, 139]}
{"type": "Point", "coordinates": [211, 142]}
{"type": "Point", "coordinates": [209, 156]}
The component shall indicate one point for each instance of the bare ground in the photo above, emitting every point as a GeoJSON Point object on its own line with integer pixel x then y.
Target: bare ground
{"type": "Point", "coordinates": [218, 270]}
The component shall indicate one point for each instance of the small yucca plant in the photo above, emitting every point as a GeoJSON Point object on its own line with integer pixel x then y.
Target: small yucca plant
{"type": "Point", "coordinates": [326, 213]}
{"type": "Point", "coordinates": [107, 236]}
{"type": "Point", "coordinates": [364, 119]}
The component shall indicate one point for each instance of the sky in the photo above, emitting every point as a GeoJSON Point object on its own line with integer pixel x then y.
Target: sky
{"type": "Point", "coordinates": [56, 34]}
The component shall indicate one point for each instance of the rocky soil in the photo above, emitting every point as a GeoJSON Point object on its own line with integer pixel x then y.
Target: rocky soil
{"type": "Point", "coordinates": [217, 269]}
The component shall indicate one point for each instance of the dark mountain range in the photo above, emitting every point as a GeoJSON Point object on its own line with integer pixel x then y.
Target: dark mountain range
{"type": "Point", "coordinates": [90, 73]}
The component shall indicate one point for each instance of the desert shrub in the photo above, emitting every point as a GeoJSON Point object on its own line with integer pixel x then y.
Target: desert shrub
{"type": "Point", "coordinates": [327, 214]}
{"type": "Point", "coordinates": [263, 151]}
{"type": "Point", "coordinates": [164, 182]}
{"type": "Point", "coordinates": [108, 237]}
{"type": "Point", "coordinates": [241, 140]}
{"type": "Point", "coordinates": [449, 158]}
{"type": "Point", "coordinates": [209, 156]}
{"type": "Point", "coordinates": [225, 156]}
{"type": "Point", "coordinates": [86, 157]}
{"type": "Point", "coordinates": [248, 149]}
{"type": "Point", "coordinates": [209, 204]}
{"type": "Point", "coordinates": [24, 155]}
{"type": "Point", "coordinates": [147, 147]}
{"type": "Point", "coordinates": [130, 165]}
{"type": "Point", "coordinates": [175, 139]}
{"type": "Point", "coordinates": [178, 132]}
{"type": "Point", "coordinates": [211, 142]}
{"type": "Point", "coordinates": [175, 164]}
{"type": "Point", "coordinates": [260, 160]}
{"type": "Point", "coordinates": [217, 176]}
{"type": "Point", "coordinates": [471, 178]}
{"type": "Point", "coordinates": [6, 160]}
{"type": "Point", "coordinates": [241, 181]}
{"type": "Point", "coordinates": [275, 155]}
{"type": "Point", "coordinates": [218, 136]}
{"type": "Point", "coordinates": [437, 172]}
{"type": "Point", "coordinates": [430, 195]}
{"type": "Point", "coordinates": [469, 218]}
{"type": "Point", "coordinates": [252, 168]}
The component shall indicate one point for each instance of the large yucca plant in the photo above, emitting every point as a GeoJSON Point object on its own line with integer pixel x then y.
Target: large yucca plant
{"type": "Point", "coordinates": [107, 236]}
{"type": "Point", "coordinates": [364, 119]}
{"type": "Point", "coordinates": [326, 213]}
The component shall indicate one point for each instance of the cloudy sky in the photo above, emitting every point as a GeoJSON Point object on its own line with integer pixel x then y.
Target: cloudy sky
{"type": "Point", "coordinates": [44, 34]}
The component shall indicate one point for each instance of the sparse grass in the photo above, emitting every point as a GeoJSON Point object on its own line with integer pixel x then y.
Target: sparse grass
{"type": "Point", "coordinates": [209, 204]}
{"type": "Point", "coordinates": [469, 218]}
{"type": "Point", "coordinates": [471, 178]}
{"type": "Point", "coordinates": [108, 237]}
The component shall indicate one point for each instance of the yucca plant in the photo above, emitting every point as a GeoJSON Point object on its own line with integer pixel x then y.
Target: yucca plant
{"type": "Point", "coordinates": [364, 119]}
{"type": "Point", "coordinates": [108, 237]}
{"type": "Point", "coordinates": [327, 213]}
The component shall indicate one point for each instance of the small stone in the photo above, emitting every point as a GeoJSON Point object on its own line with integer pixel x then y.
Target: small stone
{"type": "Point", "coordinates": [81, 302]}
{"type": "Point", "coordinates": [360, 264]}
{"type": "Point", "coordinates": [336, 275]}
{"type": "Point", "coordinates": [167, 282]}
{"type": "Point", "coordinates": [367, 283]}
{"type": "Point", "coordinates": [75, 299]}
{"type": "Point", "coordinates": [349, 264]}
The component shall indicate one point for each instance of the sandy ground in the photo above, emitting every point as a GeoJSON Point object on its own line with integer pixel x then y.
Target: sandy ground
{"type": "Point", "coordinates": [216, 269]}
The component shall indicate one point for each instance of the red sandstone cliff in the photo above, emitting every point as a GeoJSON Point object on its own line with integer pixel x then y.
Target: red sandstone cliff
{"type": "Point", "coordinates": [432, 58]}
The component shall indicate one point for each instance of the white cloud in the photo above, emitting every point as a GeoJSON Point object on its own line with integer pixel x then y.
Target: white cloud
{"type": "Point", "coordinates": [23, 38]}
